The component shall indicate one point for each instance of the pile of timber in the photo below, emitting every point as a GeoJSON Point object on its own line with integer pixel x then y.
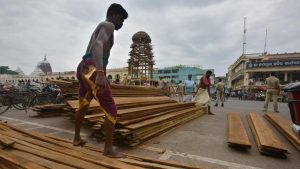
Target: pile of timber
{"type": "Point", "coordinates": [236, 133]}
{"type": "Point", "coordinates": [70, 87]}
{"type": "Point", "coordinates": [267, 142]}
{"type": "Point", "coordinates": [31, 150]}
{"type": "Point", "coordinates": [285, 127]}
{"type": "Point", "coordinates": [50, 110]}
{"type": "Point", "coordinates": [140, 119]}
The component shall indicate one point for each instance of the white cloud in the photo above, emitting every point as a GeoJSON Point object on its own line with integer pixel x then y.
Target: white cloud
{"type": "Point", "coordinates": [182, 32]}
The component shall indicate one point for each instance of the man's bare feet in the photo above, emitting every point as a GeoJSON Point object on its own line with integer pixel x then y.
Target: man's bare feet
{"type": "Point", "coordinates": [79, 142]}
{"type": "Point", "coordinates": [210, 113]}
{"type": "Point", "coordinates": [114, 154]}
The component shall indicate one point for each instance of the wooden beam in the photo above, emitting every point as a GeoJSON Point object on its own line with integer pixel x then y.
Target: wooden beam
{"type": "Point", "coordinates": [236, 133]}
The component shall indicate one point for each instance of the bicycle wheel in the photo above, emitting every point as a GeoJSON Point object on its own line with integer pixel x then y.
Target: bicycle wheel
{"type": "Point", "coordinates": [42, 99]}
{"type": "Point", "coordinates": [3, 108]}
{"type": "Point", "coordinates": [20, 106]}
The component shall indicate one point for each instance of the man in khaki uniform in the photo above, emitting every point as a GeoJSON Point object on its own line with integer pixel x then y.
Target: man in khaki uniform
{"type": "Point", "coordinates": [180, 91]}
{"type": "Point", "coordinates": [272, 92]}
{"type": "Point", "coordinates": [220, 93]}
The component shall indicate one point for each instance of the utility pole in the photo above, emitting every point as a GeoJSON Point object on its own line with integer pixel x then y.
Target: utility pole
{"type": "Point", "coordinates": [265, 47]}
{"type": "Point", "coordinates": [244, 37]}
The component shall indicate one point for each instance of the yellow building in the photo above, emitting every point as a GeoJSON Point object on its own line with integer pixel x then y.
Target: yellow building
{"type": "Point", "coordinates": [253, 69]}
{"type": "Point", "coordinates": [115, 73]}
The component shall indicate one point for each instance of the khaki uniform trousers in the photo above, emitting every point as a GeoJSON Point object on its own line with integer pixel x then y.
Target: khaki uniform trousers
{"type": "Point", "coordinates": [271, 93]}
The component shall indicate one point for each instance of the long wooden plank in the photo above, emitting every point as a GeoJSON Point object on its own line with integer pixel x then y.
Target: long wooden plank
{"type": "Point", "coordinates": [236, 134]}
{"type": "Point", "coordinates": [146, 164]}
{"type": "Point", "coordinates": [19, 161]}
{"type": "Point", "coordinates": [134, 113]}
{"type": "Point", "coordinates": [159, 119]}
{"type": "Point", "coordinates": [127, 122]}
{"type": "Point", "coordinates": [166, 128]}
{"type": "Point", "coordinates": [134, 157]}
{"type": "Point", "coordinates": [41, 161]}
{"type": "Point", "coordinates": [4, 164]}
{"type": "Point", "coordinates": [285, 127]}
{"type": "Point", "coordinates": [53, 156]}
{"type": "Point", "coordinates": [34, 145]}
{"type": "Point", "coordinates": [104, 160]}
{"type": "Point", "coordinates": [264, 136]}
{"type": "Point", "coordinates": [123, 101]}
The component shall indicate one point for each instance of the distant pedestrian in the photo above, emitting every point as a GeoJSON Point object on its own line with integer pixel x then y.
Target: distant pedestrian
{"type": "Point", "coordinates": [180, 91]}
{"type": "Point", "coordinates": [220, 93]}
{"type": "Point", "coordinates": [189, 89]}
{"type": "Point", "coordinates": [239, 94]}
{"type": "Point", "coordinates": [273, 91]}
{"type": "Point", "coordinates": [171, 89]}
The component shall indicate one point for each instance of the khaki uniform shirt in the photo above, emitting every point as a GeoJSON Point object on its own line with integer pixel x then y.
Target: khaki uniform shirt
{"type": "Point", "coordinates": [220, 86]}
{"type": "Point", "coordinates": [272, 83]}
{"type": "Point", "coordinates": [180, 88]}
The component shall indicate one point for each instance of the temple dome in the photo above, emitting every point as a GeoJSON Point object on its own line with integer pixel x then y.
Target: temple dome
{"type": "Point", "coordinates": [43, 67]}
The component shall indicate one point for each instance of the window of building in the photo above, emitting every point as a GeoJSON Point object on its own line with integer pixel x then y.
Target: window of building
{"type": "Point", "coordinates": [73, 77]}
{"type": "Point", "coordinates": [174, 77]}
{"type": "Point", "coordinates": [160, 71]}
{"type": "Point", "coordinates": [167, 71]}
{"type": "Point", "coordinates": [175, 70]}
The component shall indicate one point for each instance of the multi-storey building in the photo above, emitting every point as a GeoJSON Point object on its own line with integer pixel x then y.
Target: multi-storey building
{"type": "Point", "coordinates": [253, 69]}
{"type": "Point", "coordinates": [180, 72]}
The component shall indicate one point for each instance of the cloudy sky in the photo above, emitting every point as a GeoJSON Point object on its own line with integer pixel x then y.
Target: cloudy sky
{"type": "Point", "coordinates": [190, 32]}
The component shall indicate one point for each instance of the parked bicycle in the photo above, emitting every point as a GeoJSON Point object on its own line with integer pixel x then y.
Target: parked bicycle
{"type": "Point", "coordinates": [13, 98]}
{"type": "Point", "coordinates": [48, 95]}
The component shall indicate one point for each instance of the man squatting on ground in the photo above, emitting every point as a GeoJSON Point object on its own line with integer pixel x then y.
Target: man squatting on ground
{"type": "Point", "coordinates": [91, 74]}
{"type": "Point", "coordinates": [203, 91]}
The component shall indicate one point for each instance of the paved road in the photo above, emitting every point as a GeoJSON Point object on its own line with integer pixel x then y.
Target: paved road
{"type": "Point", "coordinates": [201, 142]}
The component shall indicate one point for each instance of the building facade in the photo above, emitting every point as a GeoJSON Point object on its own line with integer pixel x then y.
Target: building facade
{"type": "Point", "coordinates": [180, 72]}
{"type": "Point", "coordinates": [253, 69]}
{"type": "Point", "coordinates": [44, 78]}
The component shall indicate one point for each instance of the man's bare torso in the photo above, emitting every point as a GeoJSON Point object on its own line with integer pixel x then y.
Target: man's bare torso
{"type": "Point", "coordinates": [106, 46]}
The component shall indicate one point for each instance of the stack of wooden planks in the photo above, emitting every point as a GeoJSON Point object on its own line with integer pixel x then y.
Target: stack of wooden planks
{"type": "Point", "coordinates": [236, 134]}
{"type": "Point", "coordinates": [70, 87]}
{"type": "Point", "coordinates": [49, 110]}
{"type": "Point", "coordinates": [28, 150]}
{"type": "Point", "coordinates": [140, 119]}
{"type": "Point", "coordinates": [266, 141]}
{"type": "Point", "coordinates": [285, 127]}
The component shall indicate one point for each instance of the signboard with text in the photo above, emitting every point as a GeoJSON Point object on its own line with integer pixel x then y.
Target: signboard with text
{"type": "Point", "coordinates": [267, 64]}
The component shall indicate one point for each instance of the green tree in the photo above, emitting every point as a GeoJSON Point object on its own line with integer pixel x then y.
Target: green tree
{"type": "Point", "coordinates": [6, 70]}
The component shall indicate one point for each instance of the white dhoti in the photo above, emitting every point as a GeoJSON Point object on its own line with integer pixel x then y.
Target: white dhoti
{"type": "Point", "coordinates": [202, 98]}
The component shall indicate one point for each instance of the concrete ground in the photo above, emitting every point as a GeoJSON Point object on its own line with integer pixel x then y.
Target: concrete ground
{"type": "Point", "coordinates": [201, 142]}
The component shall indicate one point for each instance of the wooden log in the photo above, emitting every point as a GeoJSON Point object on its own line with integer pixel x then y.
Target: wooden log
{"type": "Point", "coordinates": [236, 134]}
{"type": "Point", "coordinates": [285, 127]}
